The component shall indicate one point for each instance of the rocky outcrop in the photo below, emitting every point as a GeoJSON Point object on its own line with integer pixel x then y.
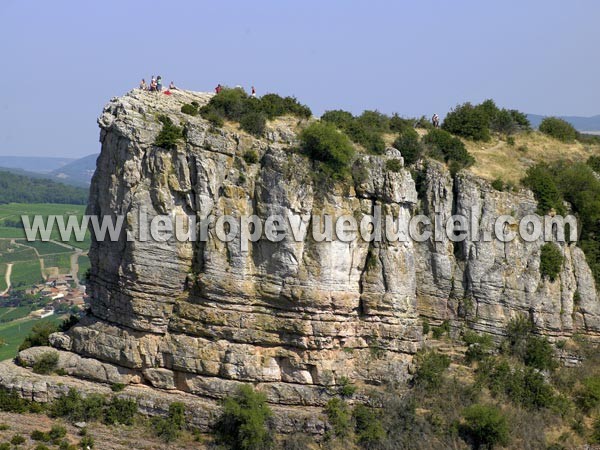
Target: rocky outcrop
{"type": "Point", "coordinates": [297, 318]}
{"type": "Point", "coordinates": [486, 282]}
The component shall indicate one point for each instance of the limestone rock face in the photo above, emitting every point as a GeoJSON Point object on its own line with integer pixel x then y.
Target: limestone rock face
{"type": "Point", "coordinates": [295, 317]}
{"type": "Point", "coordinates": [486, 282]}
{"type": "Point", "coordinates": [299, 317]}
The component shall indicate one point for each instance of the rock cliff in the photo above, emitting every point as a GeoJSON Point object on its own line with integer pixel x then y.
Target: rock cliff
{"type": "Point", "coordinates": [296, 319]}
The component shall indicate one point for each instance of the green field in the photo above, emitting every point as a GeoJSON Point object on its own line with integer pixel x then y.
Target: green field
{"type": "Point", "coordinates": [62, 261]}
{"type": "Point", "coordinates": [45, 248]}
{"type": "Point", "coordinates": [26, 273]}
{"type": "Point", "coordinates": [9, 313]}
{"type": "Point", "coordinates": [15, 332]}
{"type": "Point", "coordinates": [14, 211]}
{"type": "Point", "coordinates": [16, 253]}
{"type": "Point", "coordinates": [84, 265]}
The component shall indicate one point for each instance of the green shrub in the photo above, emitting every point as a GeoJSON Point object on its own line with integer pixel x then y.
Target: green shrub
{"type": "Point", "coordinates": [77, 408]}
{"type": "Point", "coordinates": [558, 129]}
{"type": "Point", "coordinates": [339, 417]}
{"type": "Point", "coordinates": [323, 142]}
{"type": "Point", "coordinates": [169, 428]}
{"type": "Point", "coordinates": [45, 363]}
{"type": "Point", "coordinates": [86, 442]}
{"type": "Point", "coordinates": [367, 426]}
{"type": "Point", "coordinates": [169, 135]}
{"type": "Point", "coordinates": [523, 386]}
{"type": "Point", "coordinates": [430, 369]}
{"type": "Point", "coordinates": [10, 401]}
{"type": "Point", "coordinates": [17, 439]}
{"type": "Point", "coordinates": [594, 163]}
{"type": "Point", "coordinates": [339, 118]}
{"type": "Point", "coordinates": [38, 435]}
{"type": "Point", "coordinates": [374, 121]}
{"type": "Point", "coordinates": [409, 145]}
{"type": "Point", "coordinates": [539, 354]}
{"type": "Point", "coordinates": [189, 109]}
{"type": "Point", "coordinates": [551, 261]}
{"type": "Point", "coordinates": [485, 426]}
{"type": "Point", "coordinates": [254, 123]}
{"type": "Point", "coordinates": [6, 446]}
{"type": "Point", "coordinates": [479, 345]}
{"type": "Point", "coordinates": [245, 421]}
{"type": "Point", "coordinates": [510, 140]}
{"type": "Point", "coordinates": [468, 121]}
{"type": "Point", "coordinates": [541, 181]}
{"type": "Point", "coordinates": [250, 156]}
{"type": "Point", "coordinates": [401, 125]}
{"type": "Point", "coordinates": [444, 328]}
{"type": "Point", "coordinates": [214, 118]}
{"type": "Point", "coordinates": [39, 334]}
{"type": "Point", "coordinates": [273, 105]}
{"type": "Point", "coordinates": [426, 327]}
{"type": "Point", "coordinates": [370, 139]}
{"type": "Point", "coordinates": [503, 122]}
{"type": "Point", "coordinates": [117, 387]}
{"type": "Point", "coordinates": [442, 145]}
{"type": "Point", "coordinates": [121, 411]}
{"type": "Point", "coordinates": [57, 432]}
{"type": "Point", "coordinates": [393, 165]}
{"type": "Point", "coordinates": [347, 389]}
{"type": "Point", "coordinates": [588, 396]}
{"type": "Point", "coordinates": [41, 447]}
{"type": "Point", "coordinates": [498, 184]}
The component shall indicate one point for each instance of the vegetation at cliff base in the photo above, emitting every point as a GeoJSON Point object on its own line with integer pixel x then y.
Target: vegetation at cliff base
{"type": "Point", "coordinates": [245, 421]}
{"type": "Point", "coordinates": [251, 112]}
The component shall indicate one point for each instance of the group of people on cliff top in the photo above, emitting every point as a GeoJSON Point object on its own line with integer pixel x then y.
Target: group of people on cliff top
{"type": "Point", "coordinates": [155, 85]}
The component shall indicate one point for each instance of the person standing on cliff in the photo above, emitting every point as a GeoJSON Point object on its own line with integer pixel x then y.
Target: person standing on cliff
{"type": "Point", "coordinates": [143, 85]}
{"type": "Point", "coordinates": [253, 92]}
{"type": "Point", "coordinates": [218, 89]}
{"type": "Point", "coordinates": [153, 84]}
{"type": "Point", "coordinates": [159, 83]}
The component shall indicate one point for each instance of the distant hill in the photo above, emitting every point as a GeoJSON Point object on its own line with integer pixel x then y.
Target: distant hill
{"type": "Point", "coordinates": [75, 172]}
{"type": "Point", "coordinates": [24, 189]}
{"type": "Point", "coordinates": [78, 172]}
{"type": "Point", "coordinates": [39, 164]}
{"type": "Point", "coordinates": [580, 123]}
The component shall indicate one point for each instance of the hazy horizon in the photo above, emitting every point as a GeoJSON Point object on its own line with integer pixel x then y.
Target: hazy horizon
{"type": "Point", "coordinates": [65, 60]}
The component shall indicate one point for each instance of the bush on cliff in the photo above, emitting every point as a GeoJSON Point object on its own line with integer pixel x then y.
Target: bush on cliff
{"type": "Point", "coordinates": [169, 135]}
{"type": "Point", "coordinates": [558, 129]}
{"type": "Point", "coordinates": [442, 145]}
{"type": "Point", "coordinates": [45, 363]}
{"type": "Point", "coordinates": [169, 428]}
{"type": "Point", "coordinates": [245, 421]}
{"type": "Point", "coordinates": [323, 142]}
{"type": "Point", "coordinates": [541, 181]}
{"type": "Point", "coordinates": [251, 112]}
{"type": "Point", "coordinates": [468, 121]}
{"type": "Point", "coordinates": [39, 334]}
{"type": "Point", "coordinates": [551, 261]}
{"type": "Point", "coordinates": [409, 145]}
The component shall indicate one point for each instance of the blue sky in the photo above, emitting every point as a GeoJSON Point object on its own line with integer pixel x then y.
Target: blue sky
{"type": "Point", "coordinates": [63, 60]}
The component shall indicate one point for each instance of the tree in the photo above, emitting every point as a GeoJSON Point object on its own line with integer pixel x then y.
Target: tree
{"type": "Point", "coordinates": [485, 426]}
{"type": "Point", "coordinates": [245, 421]}
{"type": "Point", "coordinates": [558, 129]}
{"type": "Point", "coordinates": [551, 261]}
{"type": "Point", "coordinates": [323, 142]}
